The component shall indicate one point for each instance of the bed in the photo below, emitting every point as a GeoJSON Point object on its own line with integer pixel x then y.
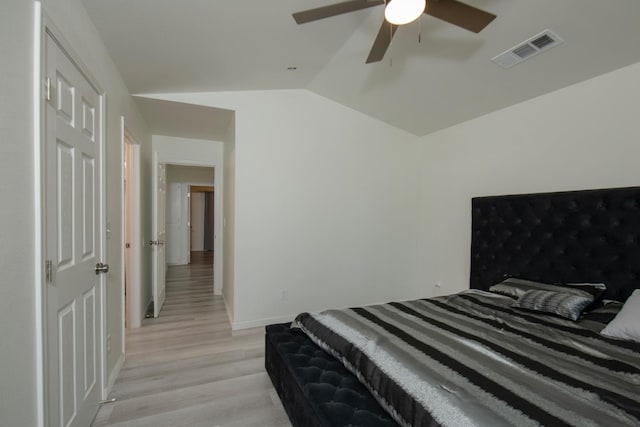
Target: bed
{"type": "Point", "coordinates": [476, 358]}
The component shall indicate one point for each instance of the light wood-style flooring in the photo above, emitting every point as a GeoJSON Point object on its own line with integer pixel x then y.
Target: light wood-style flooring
{"type": "Point", "coordinates": [188, 368]}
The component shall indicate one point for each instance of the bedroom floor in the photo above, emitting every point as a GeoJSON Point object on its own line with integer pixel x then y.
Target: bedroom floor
{"type": "Point", "coordinates": [187, 368]}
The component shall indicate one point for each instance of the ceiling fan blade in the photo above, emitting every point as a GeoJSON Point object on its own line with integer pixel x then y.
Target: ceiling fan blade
{"type": "Point", "coordinates": [460, 14]}
{"type": "Point", "coordinates": [382, 42]}
{"type": "Point", "coordinates": [333, 10]}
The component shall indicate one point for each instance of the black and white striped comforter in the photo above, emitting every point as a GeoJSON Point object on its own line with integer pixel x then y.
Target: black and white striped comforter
{"type": "Point", "coordinates": [469, 359]}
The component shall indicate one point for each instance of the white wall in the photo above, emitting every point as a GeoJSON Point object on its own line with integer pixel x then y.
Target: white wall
{"type": "Point", "coordinates": [584, 136]}
{"type": "Point", "coordinates": [328, 213]}
{"type": "Point", "coordinates": [325, 205]}
{"type": "Point", "coordinates": [17, 222]}
{"type": "Point", "coordinates": [229, 215]}
{"type": "Point", "coordinates": [186, 151]}
{"type": "Point", "coordinates": [18, 303]}
{"type": "Point", "coordinates": [190, 174]}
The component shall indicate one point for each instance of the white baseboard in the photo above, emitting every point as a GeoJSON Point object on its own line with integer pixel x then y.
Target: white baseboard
{"type": "Point", "coordinates": [226, 307]}
{"type": "Point", "coordinates": [261, 322]}
{"type": "Point", "coordinates": [114, 374]}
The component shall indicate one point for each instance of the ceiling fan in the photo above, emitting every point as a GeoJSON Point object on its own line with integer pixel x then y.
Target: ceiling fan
{"type": "Point", "coordinates": [451, 11]}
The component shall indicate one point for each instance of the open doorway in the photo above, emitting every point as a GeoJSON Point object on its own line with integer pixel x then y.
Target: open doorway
{"type": "Point", "coordinates": [190, 213]}
{"type": "Point", "coordinates": [191, 156]}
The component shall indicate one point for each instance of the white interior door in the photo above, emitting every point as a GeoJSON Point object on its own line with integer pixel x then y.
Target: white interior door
{"type": "Point", "coordinates": [175, 226]}
{"type": "Point", "coordinates": [73, 294]}
{"type": "Point", "coordinates": [133, 236]}
{"type": "Point", "coordinates": [160, 235]}
{"type": "Point", "coordinates": [188, 231]}
{"type": "Point", "coordinates": [197, 221]}
{"type": "Point", "coordinates": [128, 253]}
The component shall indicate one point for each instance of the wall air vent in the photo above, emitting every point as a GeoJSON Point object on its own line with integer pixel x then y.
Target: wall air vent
{"type": "Point", "coordinates": [527, 49]}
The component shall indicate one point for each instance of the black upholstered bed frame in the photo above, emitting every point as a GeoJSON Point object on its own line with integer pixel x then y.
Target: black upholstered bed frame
{"type": "Point", "coordinates": [566, 237]}
{"type": "Point", "coordinates": [579, 236]}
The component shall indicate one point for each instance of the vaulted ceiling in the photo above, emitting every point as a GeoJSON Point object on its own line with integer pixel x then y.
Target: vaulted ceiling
{"type": "Point", "coordinates": [163, 46]}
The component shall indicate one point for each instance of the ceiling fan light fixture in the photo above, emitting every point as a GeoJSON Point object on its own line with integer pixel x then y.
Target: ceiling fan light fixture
{"type": "Point", "coordinates": [401, 12]}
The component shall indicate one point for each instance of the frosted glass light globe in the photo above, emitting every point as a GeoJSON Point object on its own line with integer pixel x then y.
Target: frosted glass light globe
{"type": "Point", "coordinates": [400, 12]}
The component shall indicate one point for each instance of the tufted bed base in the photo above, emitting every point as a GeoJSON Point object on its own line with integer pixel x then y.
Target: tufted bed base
{"type": "Point", "coordinates": [315, 389]}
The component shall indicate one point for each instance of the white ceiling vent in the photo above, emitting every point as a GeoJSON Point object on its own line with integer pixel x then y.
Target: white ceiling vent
{"type": "Point", "coordinates": [529, 48]}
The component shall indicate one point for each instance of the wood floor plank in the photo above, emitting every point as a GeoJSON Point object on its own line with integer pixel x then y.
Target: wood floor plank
{"type": "Point", "coordinates": [188, 368]}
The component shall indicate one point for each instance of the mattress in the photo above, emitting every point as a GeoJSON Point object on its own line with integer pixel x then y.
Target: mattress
{"type": "Point", "coordinates": [477, 362]}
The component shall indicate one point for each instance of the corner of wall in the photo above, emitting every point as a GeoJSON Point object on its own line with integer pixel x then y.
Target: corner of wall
{"type": "Point", "coordinates": [229, 212]}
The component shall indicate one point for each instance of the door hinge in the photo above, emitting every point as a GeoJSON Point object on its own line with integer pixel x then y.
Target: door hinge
{"type": "Point", "coordinates": [47, 89]}
{"type": "Point", "coordinates": [48, 270]}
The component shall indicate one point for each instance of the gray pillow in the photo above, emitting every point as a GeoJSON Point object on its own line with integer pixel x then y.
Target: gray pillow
{"type": "Point", "coordinates": [561, 304]}
{"type": "Point", "coordinates": [626, 324]}
{"type": "Point", "coordinates": [515, 288]}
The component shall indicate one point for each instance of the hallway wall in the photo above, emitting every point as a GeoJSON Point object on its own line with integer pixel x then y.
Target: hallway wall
{"type": "Point", "coordinates": [325, 204]}
{"type": "Point", "coordinates": [20, 314]}
{"type": "Point", "coordinates": [18, 393]}
{"type": "Point", "coordinates": [228, 218]}
{"type": "Point", "coordinates": [190, 174]}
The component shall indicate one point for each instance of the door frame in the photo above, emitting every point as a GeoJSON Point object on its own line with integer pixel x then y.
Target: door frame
{"type": "Point", "coordinates": [155, 227]}
{"type": "Point", "coordinates": [43, 27]}
{"type": "Point", "coordinates": [218, 208]}
{"type": "Point", "coordinates": [189, 202]}
{"type": "Point", "coordinates": [185, 216]}
{"type": "Point", "coordinates": [131, 298]}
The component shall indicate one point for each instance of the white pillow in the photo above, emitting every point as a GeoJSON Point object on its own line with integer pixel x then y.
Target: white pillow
{"type": "Point", "coordinates": [626, 324]}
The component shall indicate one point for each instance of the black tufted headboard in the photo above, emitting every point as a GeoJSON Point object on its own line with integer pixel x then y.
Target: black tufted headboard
{"type": "Point", "coordinates": [566, 237]}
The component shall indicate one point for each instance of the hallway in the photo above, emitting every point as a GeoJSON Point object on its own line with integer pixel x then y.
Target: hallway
{"type": "Point", "coordinates": [187, 368]}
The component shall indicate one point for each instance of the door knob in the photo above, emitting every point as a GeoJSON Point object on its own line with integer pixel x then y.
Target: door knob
{"type": "Point", "coordinates": [102, 268]}
{"type": "Point", "coordinates": [153, 242]}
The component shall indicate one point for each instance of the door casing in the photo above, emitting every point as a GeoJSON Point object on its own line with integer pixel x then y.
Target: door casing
{"type": "Point", "coordinates": [44, 26]}
{"type": "Point", "coordinates": [133, 303]}
{"type": "Point", "coordinates": [159, 188]}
